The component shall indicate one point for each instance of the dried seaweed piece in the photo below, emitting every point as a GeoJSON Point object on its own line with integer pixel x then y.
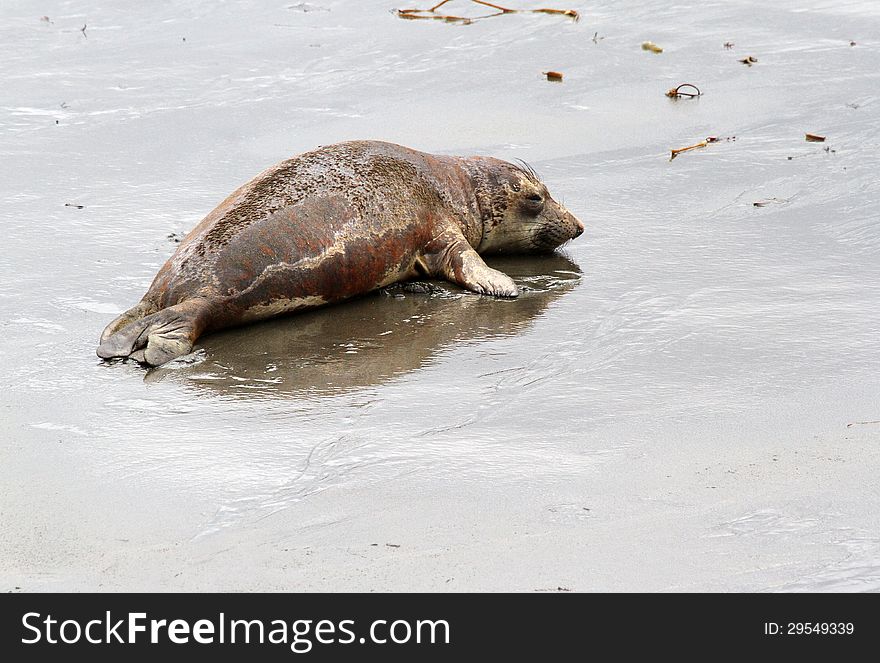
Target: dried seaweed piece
{"type": "Point", "coordinates": [815, 138]}
{"type": "Point", "coordinates": [651, 46]}
{"type": "Point", "coordinates": [749, 60]}
{"type": "Point", "coordinates": [503, 10]}
{"type": "Point", "coordinates": [728, 45]}
{"type": "Point", "coordinates": [571, 13]}
{"type": "Point", "coordinates": [555, 76]}
{"type": "Point", "coordinates": [676, 92]}
{"type": "Point", "coordinates": [414, 14]}
{"type": "Point", "coordinates": [675, 153]}
{"type": "Point", "coordinates": [702, 143]}
{"type": "Point", "coordinates": [431, 13]}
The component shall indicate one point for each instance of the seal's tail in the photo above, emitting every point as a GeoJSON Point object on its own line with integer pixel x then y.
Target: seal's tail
{"type": "Point", "coordinates": [155, 338]}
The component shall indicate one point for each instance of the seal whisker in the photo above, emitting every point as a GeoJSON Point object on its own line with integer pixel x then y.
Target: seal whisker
{"type": "Point", "coordinates": [526, 169]}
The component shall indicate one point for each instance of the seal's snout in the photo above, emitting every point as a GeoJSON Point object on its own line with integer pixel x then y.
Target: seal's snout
{"type": "Point", "coordinates": [578, 228]}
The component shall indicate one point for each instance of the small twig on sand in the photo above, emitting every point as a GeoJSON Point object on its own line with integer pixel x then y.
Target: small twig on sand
{"type": "Point", "coordinates": [861, 423]}
{"type": "Point", "coordinates": [83, 30]}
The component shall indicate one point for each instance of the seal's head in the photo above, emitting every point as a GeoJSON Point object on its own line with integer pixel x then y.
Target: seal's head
{"type": "Point", "coordinates": [518, 214]}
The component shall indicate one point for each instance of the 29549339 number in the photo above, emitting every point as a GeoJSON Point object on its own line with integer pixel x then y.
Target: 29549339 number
{"type": "Point", "coordinates": [809, 628]}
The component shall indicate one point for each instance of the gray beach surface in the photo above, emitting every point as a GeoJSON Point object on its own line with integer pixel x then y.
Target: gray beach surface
{"type": "Point", "coordinates": [685, 399]}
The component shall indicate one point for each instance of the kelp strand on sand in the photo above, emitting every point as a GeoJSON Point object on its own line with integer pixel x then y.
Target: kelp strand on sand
{"type": "Point", "coordinates": [432, 14]}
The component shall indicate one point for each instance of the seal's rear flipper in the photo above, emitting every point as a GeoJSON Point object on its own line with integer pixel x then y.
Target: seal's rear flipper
{"type": "Point", "coordinates": [142, 309]}
{"type": "Point", "coordinates": [160, 337]}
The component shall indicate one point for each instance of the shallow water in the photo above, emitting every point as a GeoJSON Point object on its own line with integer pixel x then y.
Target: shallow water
{"type": "Point", "coordinates": [673, 404]}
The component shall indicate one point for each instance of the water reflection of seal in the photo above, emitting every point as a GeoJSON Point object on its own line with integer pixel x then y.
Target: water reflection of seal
{"type": "Point", "coordinates": [371, 340]}
{"type": "Point", "coordinates": [335, 223]}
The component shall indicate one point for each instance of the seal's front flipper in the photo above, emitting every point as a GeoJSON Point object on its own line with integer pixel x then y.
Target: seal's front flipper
{"type": "Point", "coordinates": [160, 337]}
{"type": "Point", "coordinates": [456, 261]}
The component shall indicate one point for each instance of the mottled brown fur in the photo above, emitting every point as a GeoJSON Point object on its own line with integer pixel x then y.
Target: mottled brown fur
{"type": "Point", "coordinates": [334, 223]}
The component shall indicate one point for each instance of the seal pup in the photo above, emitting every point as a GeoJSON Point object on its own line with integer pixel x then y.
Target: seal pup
{"type": "Point", "coordinates": [335, 223]}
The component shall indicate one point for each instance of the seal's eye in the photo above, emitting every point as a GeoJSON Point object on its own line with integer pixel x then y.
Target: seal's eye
{"type": "Point", "coordinates": [533, 204]}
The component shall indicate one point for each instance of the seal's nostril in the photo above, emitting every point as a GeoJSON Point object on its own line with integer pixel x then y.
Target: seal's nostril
{"type": "Point", "coordinates": [579, 229]}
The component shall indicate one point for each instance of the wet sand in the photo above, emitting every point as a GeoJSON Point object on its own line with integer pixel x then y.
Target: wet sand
{"type": "Point", "coordinates": [673, 404]}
